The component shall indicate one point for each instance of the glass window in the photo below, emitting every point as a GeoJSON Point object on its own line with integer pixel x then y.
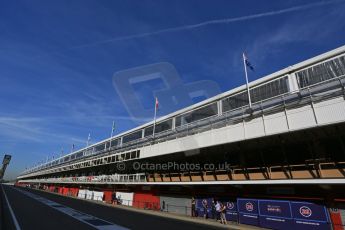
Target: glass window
{"type": "Point", "coordinates": [79, 154]}
{"type": "Point", "coordinates": [99, 147]}
{"type": "Point", "coordinates": [133, 136]}
{"type": "Point", "coordinates": [114, 143]}
{"type": "Point", "coordinates": [88, 151]}
{"type": "Point", "coordinates": [321, 72]}
{"type": "Point", "coordinates": [160, 127]}
{"type": "Point", "coordinates": [236, 101]}
{"type": "Point", "coordinates": [133, 154]}
{"type": "Point", "coordinates": [269, 90]}
{"type": "Point", "coordinates": [198, 114]}
{"type": "Point", "coordinates": [259, 93]}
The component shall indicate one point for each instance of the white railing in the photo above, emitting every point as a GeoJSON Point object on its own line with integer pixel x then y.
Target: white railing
{"type": "Point", "coordinates": [101, 179]}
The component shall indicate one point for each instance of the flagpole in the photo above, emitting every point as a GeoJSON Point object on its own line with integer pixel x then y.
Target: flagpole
{"type": "Point", "coordinates": [154, 119]}
{"type": "Point", "coordinates": [88, 140]}
{"type": "Point", "coordinates": [112, 129]}
{"type": "Point", "coordinates": [246, 73]}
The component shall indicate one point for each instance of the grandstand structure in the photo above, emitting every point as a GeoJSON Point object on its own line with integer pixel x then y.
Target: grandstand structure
{"type": "Point", "coordinates": [292, 134]}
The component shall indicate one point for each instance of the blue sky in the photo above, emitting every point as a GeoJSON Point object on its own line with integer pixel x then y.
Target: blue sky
{"type": "Point", "coordinates": [58, 58]}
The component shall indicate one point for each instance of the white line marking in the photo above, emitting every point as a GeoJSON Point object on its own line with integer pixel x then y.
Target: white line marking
{"type": "Point", "coordinates": [272, 181]}
{"type": "Point", "coordinates": [80, 216]}
{"type": "Point", "coordinates": [11, 211]}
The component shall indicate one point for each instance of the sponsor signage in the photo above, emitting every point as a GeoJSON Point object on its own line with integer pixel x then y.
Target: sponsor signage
{"type": "Point", "coordinates": [231, 211]}
{"type": "Point", "coordinates": [249, 206]}
{"type": "Point", "coordinates": [249, 219]}
{"type": "Point", "coordinates": [309, 216]}
{"type": "Point", "coordinates": [200, 207]}
{"type": "Point", "coordinates": [309, 211]}
{"type": "Point", "coordinates": [275, 208]}
{"type": "Point", "coordinates": [275, 214]}
{"type": "Point", "coordinates": [248, 211]}
{"type": "Point", "coordinates": [276, 222]}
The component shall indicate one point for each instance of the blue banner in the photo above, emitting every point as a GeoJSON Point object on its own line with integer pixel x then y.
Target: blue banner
{"type": "Point", "coordinates": [249, 206]}
{"type": "Point", "coordinates": [308, 211]}
{"type": "Point", "coordinates": [309, 216]}
{"type": "Point", "coordinates": [276, 222]}
{"type": "Point", "coordinates": [201, 211]}
{"type": "Point", "coordinates": [249, 219]}
{"type": "Point", "coordinates": [311, 225]}
{"type": "Point", "coordinates": [275, 214]}
{"type": "Point", "coordinates": [248, 211]}
{"type": "Point", "coordinates": [231, 213]}
{"type": "Point", "coordinates": [275, 208]}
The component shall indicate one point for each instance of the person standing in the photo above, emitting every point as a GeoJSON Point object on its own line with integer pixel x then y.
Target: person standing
{"type": "Point", "coordinates": [213, 208]}
{"type": "Point", "coordinates": [222, 214]}
{"type": "Point", "coordinates": [163, 206]}
{"type": "Point", "coordinates": [113, 198]}
{"type": "Point", "coordinates": [193, 207]}
{"type": "Point", "coordinates": [205, 206]}
{"type": "Point", "coordinates": [218, 209]}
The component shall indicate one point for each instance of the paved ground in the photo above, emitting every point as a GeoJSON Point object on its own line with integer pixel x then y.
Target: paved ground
{"type": "Point", "coordinates": [40, 210]}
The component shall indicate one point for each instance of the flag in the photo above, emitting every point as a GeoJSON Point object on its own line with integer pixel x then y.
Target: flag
{"type": "Point", "coordinates": [154, 118]}
{"type": "Point", "coordinates": [88, 139]}
{"type": "Point", "coordinates": [157, 103]}
{"type": "Point", "coordinates": [246, 60]}
{"type": "Point", "coordinates": [113, 127]}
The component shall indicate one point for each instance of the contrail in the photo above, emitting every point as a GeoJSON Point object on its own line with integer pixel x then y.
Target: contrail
{"type": "Point", "coordinates": [211, 22]}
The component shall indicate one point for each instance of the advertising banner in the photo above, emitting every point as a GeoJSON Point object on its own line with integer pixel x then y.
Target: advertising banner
{"type": "Point", "coordinates": [231, 211]}
{"type": "Point", "coordinates": [275, 214]}
{"type": "Point", "coordinates": [200, 202]}
{"type": "Point", "coordinates": [309, 211]}
{"type": "Point", "coordinates": [249, 219]}
{"type": "Point", "coordinates": [276, 208]}
{"type": "Point", "coordinates": [248, 211]}
{"type": "Point", "coordinates": [249, 206]}
{"type": "Point", "coordinates": [309, 216]}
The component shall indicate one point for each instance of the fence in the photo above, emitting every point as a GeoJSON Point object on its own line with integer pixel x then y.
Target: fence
{"type": "Point", "coordinates": [258, 212]}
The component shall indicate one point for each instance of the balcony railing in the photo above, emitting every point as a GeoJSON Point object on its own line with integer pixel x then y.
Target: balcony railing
{"type": "Point", "coordinates": [311, 94]}
{"type": "Point", "coordinates": [324, 170]}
